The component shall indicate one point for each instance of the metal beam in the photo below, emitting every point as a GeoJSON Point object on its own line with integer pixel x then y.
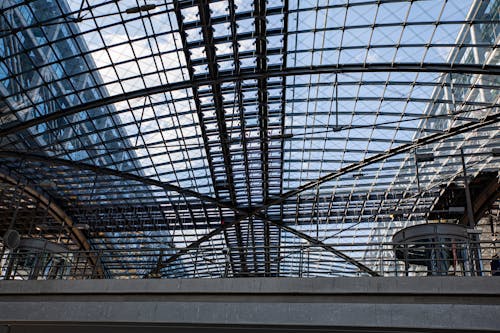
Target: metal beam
{"type": "Point", "coordinates": [239, 88]}
{"type": "Point", "coordinates": [483, 199]}
{"type": "Point", "coordinates": [222, 138]}
{"type": "Point", "coordinates": [329, 248]}
{"type": "Point", "coordinates": [283, 104]}
{"type": "Point", "coordinates": [470, 126]}
{"type": "Point", "coordinates": [252, 75]}
{"type": "Point", "coordinates": [467, 127]}
{"type": "Point", "coordinates": [353, 167]}
{"type": "Point", "coordinates": [262, 92]}
{"type": "Point", "coordinates": [110, 172]}
{"type": "Point", "coordinates": [199, 109]}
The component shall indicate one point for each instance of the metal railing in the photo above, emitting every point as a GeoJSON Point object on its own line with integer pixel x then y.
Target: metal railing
{"type": "Point", "coordinates": [301, 260]}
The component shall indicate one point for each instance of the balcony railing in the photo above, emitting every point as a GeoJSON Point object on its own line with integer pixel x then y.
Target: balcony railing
{"type": "Point", "coordinates": [300, 260]}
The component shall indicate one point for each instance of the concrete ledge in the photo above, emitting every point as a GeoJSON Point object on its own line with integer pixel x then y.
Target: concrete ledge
{"type": "Point", "coordinates": [359, 285]}
{"type": "Point", "coordinates": [384, 304]}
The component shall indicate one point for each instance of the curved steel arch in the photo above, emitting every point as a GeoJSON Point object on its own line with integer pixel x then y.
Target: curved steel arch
{"type": "Point", "coordinates": [59, 215]}
{"type": "Point", "coordinates": [252, 75]}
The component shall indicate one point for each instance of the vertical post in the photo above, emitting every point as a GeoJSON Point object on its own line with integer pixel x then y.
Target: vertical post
{"type": "Point", "coordinates": [452, 90]}
{"type": "Point", "coordinates": [11, 257]}
{"type": "Point", "coordinates": [317, 211]}
{"type": "Point", "coordinates": [407, 264]}
{"type": "Point", "coordinates": [301, 259]}
{"type": "Point", "coordinates": [2, 252]}
{"type": "Point", "coordinates": [478, 57]}
{"type": "Point", "coordinates": [75, 268]}
{"type": "Point", "coordinates": [381, 259]}
{"type": "Point", "coordinates": [227, 260]}
{"type": "Point", "coordinates": [308, 249]}
{"type": "Point", "coordinates": [468, 260]}
{"type": "Point", "coordinates": [470, 220]}
{"type": "Point", "coordinates": [196, 261]}
{"type": "Point", "coordinates": [395, 266]}
{"type": "Point", "coordinates": [470, 213]}
{"type": "Point", "coordinates": [97, 262]}
{"type": "Point", "coordinates": [416, 170]}
{"type": "Point", "coordinates": [336, 102]}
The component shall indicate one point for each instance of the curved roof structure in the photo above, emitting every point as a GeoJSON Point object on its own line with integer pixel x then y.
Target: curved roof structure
{"type": "Point", "coordinates": [195, 138]}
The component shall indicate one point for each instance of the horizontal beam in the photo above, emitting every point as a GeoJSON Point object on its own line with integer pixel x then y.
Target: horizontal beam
{"type": "Point", "coordinates": [252, 75]}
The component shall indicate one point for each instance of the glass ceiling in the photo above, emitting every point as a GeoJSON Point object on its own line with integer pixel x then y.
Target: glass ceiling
{"type": "Point", "coordinates": [185, 127]}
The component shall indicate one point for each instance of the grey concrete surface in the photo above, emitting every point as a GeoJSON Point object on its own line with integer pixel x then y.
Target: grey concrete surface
{"type": "Point", "coordinates": [339, 285]}
{"type": "Point", "coordinates": [409, 304]}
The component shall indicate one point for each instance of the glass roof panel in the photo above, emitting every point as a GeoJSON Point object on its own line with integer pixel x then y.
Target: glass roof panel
{"type": "Point", "coordinates": [244, 118]}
